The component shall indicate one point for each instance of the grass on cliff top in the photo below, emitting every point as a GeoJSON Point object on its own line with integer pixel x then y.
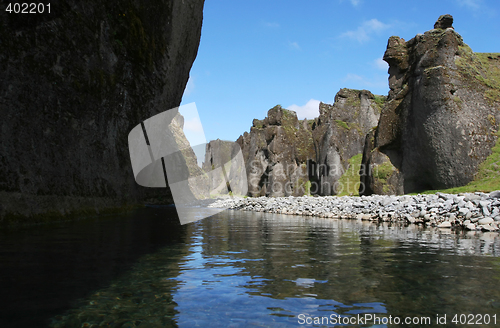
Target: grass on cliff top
{"type": "Point", "coordinates": [349, 181]}
{"type": "Point", "coordinates": [484, 68]}
{"type": "Point", "coordinates": [492, 64]}
{"type": "Point", "coordinates": [487, 178]}
{"type": "Point", "coordinates": [379, 101]}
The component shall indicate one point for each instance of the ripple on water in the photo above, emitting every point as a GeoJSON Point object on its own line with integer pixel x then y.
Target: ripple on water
{"type": "Point", "coordinates": [242, 268]}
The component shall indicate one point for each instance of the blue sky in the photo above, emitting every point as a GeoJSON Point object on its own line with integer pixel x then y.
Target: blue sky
{"type": "Point", "coordinates": [256, 54]}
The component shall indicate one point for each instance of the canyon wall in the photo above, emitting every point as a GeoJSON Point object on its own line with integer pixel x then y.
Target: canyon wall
{"type": "Point", "coordinates": [73, 83]}
{"type": "Point", "coordinates": [285, 156]}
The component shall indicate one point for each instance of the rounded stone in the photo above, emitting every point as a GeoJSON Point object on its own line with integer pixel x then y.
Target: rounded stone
{"type": "Point", "coordinates": [471, 226]}
{"type": "Point", "coordinates": [485, 221]}
{"type": "Point", "coordinates": [494, 194]}
{"type": "Point", "coordinates": [445, 224]}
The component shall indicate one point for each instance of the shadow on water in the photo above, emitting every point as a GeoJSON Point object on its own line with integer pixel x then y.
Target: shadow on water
{"type": "Point", "coordinates": [44, 271]}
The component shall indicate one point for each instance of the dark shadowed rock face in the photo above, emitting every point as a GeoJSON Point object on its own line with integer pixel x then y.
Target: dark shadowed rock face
{"type": "Point", "coordinates": [441, 117]}
{"type": "Point", "coordinates": [285, 156]}
{"type": "Point", "coordinates": [444, 21]}
{"type": "Point", "coordinates": [72, 85]}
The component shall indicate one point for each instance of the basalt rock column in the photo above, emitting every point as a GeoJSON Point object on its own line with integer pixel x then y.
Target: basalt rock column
{"type": "Point", "coordinates": [441, 117]}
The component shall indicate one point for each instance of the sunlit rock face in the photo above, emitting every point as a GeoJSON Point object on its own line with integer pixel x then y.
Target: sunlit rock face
{"type": "Point", "coordinates": [441, 116]}
{"type": "Point", "coordinates": [73, 83]}
{"type": "Point", "coordinates": [276, 151]}
{"type": "Point", "coordinates": [286, 156]}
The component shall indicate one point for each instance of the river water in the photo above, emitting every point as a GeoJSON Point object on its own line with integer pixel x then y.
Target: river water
{"type": "Point", "coordinates": [241, 269]}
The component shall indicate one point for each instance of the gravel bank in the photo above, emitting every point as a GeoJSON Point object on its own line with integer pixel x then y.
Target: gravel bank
{"type": "Point", "coordinates": [477, 211]}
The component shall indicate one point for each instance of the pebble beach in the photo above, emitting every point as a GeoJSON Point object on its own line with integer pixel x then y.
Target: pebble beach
{"type": "Point", "coordinates": [470, 211]}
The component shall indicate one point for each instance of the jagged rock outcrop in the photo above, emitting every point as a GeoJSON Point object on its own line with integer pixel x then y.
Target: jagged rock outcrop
{"type": "Point", "coordinates": [444, 22]}
{"type": "Point", "coordinates": [441, 116]}
{"type": "Point", "coordinates": [276, 152]}
{"type": "Point", "coordinates": [217, 153]}
{"type": "Point", "coordinates": [339, 134]}
{"type": "Point", "coordinates": [285, 156]}
{"type": "Point", "coordinates": [224, 167]}
{"type": "Point", "coordinates": [73, 83]}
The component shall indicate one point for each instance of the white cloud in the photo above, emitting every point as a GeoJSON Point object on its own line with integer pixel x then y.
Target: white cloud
{"type": "Point", "coordinates": [294, 45]}
{"type": "Point", "coordinates": [310, 110]}
{"type": "Point", "coordinates": [472, 4]}
{"type": "Point", "coordinates": [363, 33]}
{"type": "Point", "coordinates": [189, 86]}
{"type": "Point", "coordinates": [380, 64]}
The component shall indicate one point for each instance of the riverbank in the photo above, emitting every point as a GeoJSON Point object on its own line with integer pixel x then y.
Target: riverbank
{"type": "Point", "coordinates": [471, 211]}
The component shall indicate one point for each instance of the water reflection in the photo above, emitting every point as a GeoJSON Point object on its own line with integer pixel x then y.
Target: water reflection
{"type": "Point", "coordinates": [245, 268]}
{"type": "Point", "coordinates": [43, 270]}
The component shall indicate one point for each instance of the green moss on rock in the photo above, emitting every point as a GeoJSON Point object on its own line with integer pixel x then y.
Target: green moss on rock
{"type": "Point", "coordinates": [383, 171]}
{"type": "Point", "coordinates": [483, 68]}
{"type": "Point", "coordinates": [379, 102]}
{"type": "Point", "coordinates": [342, 124]}
{"type": "Point", "coordinates": [349, 181]}
{"type": "Point", "coordinates": [487, 178]}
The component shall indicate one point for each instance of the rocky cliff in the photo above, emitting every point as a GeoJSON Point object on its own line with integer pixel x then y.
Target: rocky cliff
{"type": "Point", "coordinates": [276, 152]}
{"type": "Point", "coordinates": [339, 134]}
{"type": "Point", "coordinates": [285, 156]}
{"type": "Point", "coordinates": [225, 168]}
{"type": "Point", "coordinates": [441, 116]}
{"type": "Point", "coordinates": [184, 165]}
{"type": "Point", "coordinates": [73, 83]}
{"type": "Point", "coordinates": [217, 154]}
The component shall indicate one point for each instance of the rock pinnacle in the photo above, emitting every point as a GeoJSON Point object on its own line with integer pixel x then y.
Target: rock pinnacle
{"type": "Point", "coordinates": [444, 21]}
